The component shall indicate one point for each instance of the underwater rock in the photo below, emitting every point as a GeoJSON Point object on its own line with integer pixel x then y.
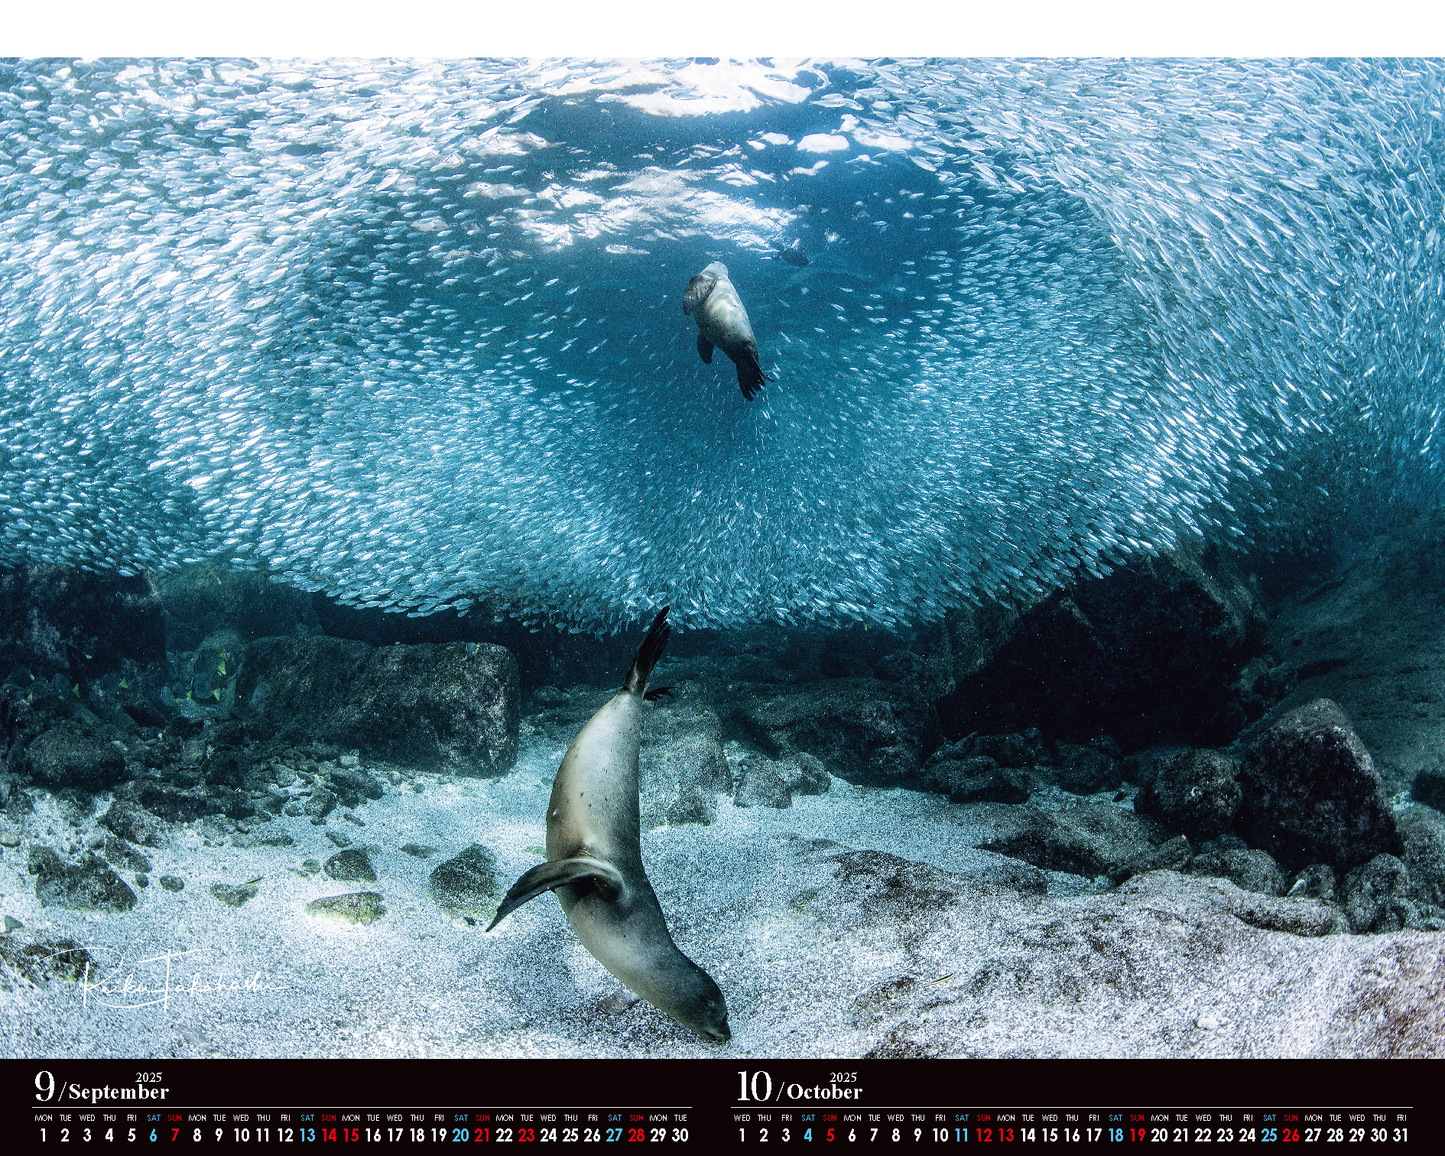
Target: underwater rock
{"type": "Point", "coordinates": [117, 850]}
{"type": "Point", "coordinates": [264, 839]}
{"type": "Point", "coordinates": [44, 960]}
{"type": "Point", "coordinates": [1194, 792]}
{"type": "Point", "coordinates": [164, 801]}
{"type": "Point", "coordinates": [681, 764]}
{"type": "Point", "coordinates": [453, 708]}
{"type": "Point", "coordinates": [1376, 896]}
{"type": "Point", "coordinates": [1423, 853]}
{"type": "Point", "coordinates": [1013, 875]}
{"type": "Point", "coordinates": [233, 895]}
{"type": "Point", "coordinates": [768, 783]}
{"type": "Point", "coordinates": [1025, 749]}
{"type": "Point", "coordinates": [210, 676]}
{"type": "Point", "coordinates": [350, 866]}
{"type": "Point", "coordinates": [1084, 769]}
{"type": "Point", "coordinates": [86, 885]}
{"type": "Point", "coordinates": [172, 883]}
{"type": "Point", "coordinates": [1429, 787]}
{"type": "Point", "coordinates": [903, 665]}
{"type": "Point", "coordinates": [1317, 881]}
{"type": "Point", "coordinates": [66, 758]}
{"type": "Point", "coordinates": [1369, 634]}
{"type": "Point", "coordinates": [1150, 652]}
{"type": "Point", "coordinates": [133, 824]}
{"type": "Point", "coordinates": [1298, 915]}
{"type": "Point", "coordinates": [1311, 793]}
{"type": "Point", "coordinates": [761, 784]}
{"type": "Point", "coordinates": [806, 775]}
{"type": "Point", "coordinates": [82, 624]}
{"type": "Point", "coordinates": [975, 779]}
{"type": "Point", "coordinates": [1170, 855]}
{"type": "Point", "coordinates": [965, 643]}
{"type": "Point", "coordinates": [352, 784]}
{"type": "Point", "coordinates": [1262, 683]}
{"type": "Point", "coordinates": [1248, 869]}
{"type": "Point", "coordinates": [1088, 839]}
{"type": "Point", "coordinates": [202, 599]}
{"type": "Point", "coordinates": [466, 884]}
{"type": "Point", "coordinates": [361, 908]}
{"type": "Point", "coordinates": [868, 732]}
{"type": "Point", "coordinates": [320, 804]}
{"type": "Point", "coordinates": [1007, 768]}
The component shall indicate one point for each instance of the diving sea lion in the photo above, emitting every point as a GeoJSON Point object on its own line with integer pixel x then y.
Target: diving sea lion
{"type": "Point", "coordinates": [594, 859]}
{"type": "Point", "coordinates": [722, 321]}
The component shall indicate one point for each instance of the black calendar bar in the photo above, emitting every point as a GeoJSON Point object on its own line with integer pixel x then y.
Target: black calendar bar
{"type": "Point", "coordinates": [707, 1104]}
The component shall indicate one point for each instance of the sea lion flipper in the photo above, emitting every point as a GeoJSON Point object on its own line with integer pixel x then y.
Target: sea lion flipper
{"type": "Point", "coordinates": [657, 692]}
{"type": "Point", "coordinates": [750, 374]}
{"type": "Point", "coordinates": [558, 873]}
{"type": "Point", "coordinates": [704, 349]}
{"type": "Point", "coordinates": [648, 653]}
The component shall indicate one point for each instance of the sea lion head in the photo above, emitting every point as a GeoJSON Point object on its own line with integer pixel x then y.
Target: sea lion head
{"type": "Point", "coordinates": [696, 1002]}
{"type": "Point", "coordinates": [699, 287]}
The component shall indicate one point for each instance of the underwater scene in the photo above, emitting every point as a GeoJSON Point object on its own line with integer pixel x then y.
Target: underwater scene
{"type": "Point", "coordinates": [1006, 493]}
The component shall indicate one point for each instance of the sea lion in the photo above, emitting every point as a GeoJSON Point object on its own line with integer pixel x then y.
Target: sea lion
{"type": "Point", "coordinates": [722, 321]}
{"type": "Point", "coordinates": [594, 859]}
{"type": "Point", "coordinates": [795, 255]}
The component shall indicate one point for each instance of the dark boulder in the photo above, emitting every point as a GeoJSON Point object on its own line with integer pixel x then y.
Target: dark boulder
{"type": "Point", "coordinates": [204, 598]}
{"type": "Point", "coordinates": [1193, 792]}
{"type": "Point", "coordinates": [1085, 768]}
{"type": "Point", "coordinates": [1090, 839]}
{"type": "Point", "coordinates": [1429, 786]}
{"type": "Point", "coordinates": [1376, 896]}
{"type": "Point", "coordinates": [87, 885]}
{"type": "Point", "coordinates": [467, 885]}
{"type": "Point", "coordinates": [682, 768]}
{"type": "Point", "coordinates": [1246, 867]}
{"type": "Point", "coordinates": [65, 757]}
{"type": "Point", "coordinates": [172, 803]}
{"type": "Point", "coordinates": [762, 785]}
{"type": "Point", "coordinates": [56, 619]}
{"type": "Point", "coordinates": [1311, 793]}
{"type": "Point", "coordinates": [866, 731]}
{"type": "Point", "coordinates": [453, 707]}
{"type": "Point", "coordinates": [976, 779]}
{"type": "Point", "coordinates": [134, 824]}
{"type": "Point", "coordinates": [1150, 653]}
{"type": "Point", "coordinates": [352, 865]}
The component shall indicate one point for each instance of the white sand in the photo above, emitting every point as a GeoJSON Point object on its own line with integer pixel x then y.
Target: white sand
{"type": "Point", "coordinates": [795, 951]}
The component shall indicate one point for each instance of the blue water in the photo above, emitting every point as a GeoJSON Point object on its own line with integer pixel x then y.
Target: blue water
{"type": "Point", "coordinates": [413, 334]}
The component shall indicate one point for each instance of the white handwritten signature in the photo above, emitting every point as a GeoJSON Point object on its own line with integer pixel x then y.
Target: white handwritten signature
{"type": "Point", "coordinates": [122, 987]}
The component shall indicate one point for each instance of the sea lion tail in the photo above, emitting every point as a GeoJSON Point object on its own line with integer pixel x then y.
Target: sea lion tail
{"type": "Point", "coordinates": [648, 653]}
{"type": "Point", "coordinates": [750, 374]}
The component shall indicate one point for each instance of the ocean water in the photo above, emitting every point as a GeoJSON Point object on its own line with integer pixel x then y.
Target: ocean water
{"type": "Point", "coordinates": [412, 333]}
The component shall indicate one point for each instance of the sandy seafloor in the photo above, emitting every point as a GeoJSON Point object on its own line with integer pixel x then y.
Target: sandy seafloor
{"type": "Point", "coordinates": [811, 967]}
{"type": "Point", "coordinates": [266, 979]}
